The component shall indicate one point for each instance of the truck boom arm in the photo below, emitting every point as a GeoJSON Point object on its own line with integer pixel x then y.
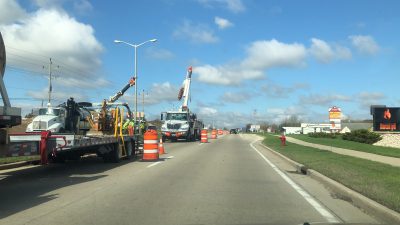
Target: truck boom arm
{"type": "Point", "coordinates": [122, 91]}
{"type": "Point", "coordinates": [186, 89]}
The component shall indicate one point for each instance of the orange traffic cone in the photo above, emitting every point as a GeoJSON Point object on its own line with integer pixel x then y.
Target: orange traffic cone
{"type": "Point", "coordinates": [161, 147]}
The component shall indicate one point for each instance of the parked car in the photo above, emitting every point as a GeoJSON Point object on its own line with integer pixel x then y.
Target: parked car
{"type": "Point", "coordinates": [233, 131]}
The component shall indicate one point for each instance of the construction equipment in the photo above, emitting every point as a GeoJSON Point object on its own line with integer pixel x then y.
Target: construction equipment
{"type": "Point", "coordinates": [182, 124]}
{"type": "Point", "coordinates": [69, 117]}
{"type": "Point", "coordinates": [111, 145]}
{"type": "Point", "coordinates": [89, 128]}
{"type": "Point", "coordinates": [9, 116]}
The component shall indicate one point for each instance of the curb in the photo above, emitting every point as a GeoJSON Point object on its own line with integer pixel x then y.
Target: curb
{"type": "Point", "coordinates": [17, 164]}
{"type": "Point", "coordinates": [368, 205]}
{"type": "Point", "coordinates": [300, 168]}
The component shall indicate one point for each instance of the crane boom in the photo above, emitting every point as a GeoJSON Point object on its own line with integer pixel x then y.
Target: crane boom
{"type": "Point", "coordinates": [186, 89]}
{"type": "Point", "coordinates": [122, 91]}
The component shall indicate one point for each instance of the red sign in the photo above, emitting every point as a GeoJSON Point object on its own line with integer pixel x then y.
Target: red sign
{"type": "Point", "coordinates": [387, 126]}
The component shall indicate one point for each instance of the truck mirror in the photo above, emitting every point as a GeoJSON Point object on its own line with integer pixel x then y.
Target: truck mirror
{"type": "Point", "coordinates": [162, 118]}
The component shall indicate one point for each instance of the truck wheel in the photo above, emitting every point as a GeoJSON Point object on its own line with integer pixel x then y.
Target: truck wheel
{"type": "Point", "coordinates": [114, 155]}
{"type": "Point", "coordinates": [130, 152]}
{"type": "Point", "coordinates": [58, 159]}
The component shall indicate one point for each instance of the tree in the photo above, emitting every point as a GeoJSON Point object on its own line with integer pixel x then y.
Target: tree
{"type": "Point", "coordinates": [292, 121]}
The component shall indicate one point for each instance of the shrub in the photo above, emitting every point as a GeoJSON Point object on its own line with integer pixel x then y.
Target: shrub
{"type": "Point", "coordinates": [362, 136]}
{"type": "Point", "coordinates": [323, 135]}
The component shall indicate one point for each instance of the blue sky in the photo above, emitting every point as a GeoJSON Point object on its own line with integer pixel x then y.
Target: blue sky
{"type": "Point", "coordinates": [253, 60]}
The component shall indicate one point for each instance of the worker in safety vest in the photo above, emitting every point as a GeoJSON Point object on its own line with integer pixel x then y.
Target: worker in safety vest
{"type": "Point", "coordinates": [128, 125]}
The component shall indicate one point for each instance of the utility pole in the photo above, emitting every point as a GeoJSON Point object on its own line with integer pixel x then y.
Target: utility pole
{"type": "Point", "coordinates": [50, 75]}
{"type": "Point", "coordinates": [50, 78]}
{"type": "Point", "coordinates": [143, 101]}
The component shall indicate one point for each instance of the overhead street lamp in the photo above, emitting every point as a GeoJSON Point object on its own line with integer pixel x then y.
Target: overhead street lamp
{"type": "Point", "coordinates": [135, 47]}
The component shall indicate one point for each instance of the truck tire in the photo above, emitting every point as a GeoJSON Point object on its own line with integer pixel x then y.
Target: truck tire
{"type": "Point", "coordinates": [114, 155]}
{"type": "Point", "coordinates": [130, 149]}
{"type": "Point", "coordinates": [58, 159]}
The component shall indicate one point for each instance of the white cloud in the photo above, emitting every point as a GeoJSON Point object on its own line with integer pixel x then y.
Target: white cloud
{"type": "Point", "coordinates": [158, 93]}
{"type": "Point", "coordinates": [366, 99]}
{"type": "Point", "coordinates": [277, 91]}
{"type": "Point", "coordinates": [83, 6]}
{"type": "Point", "coordinates": [364, 44]}
{"type": "Point", "coordinates": [235, 97]}
{"type": "Point", "coordinates": [321, 50]}
{"type": "Point", "coordinates": [157, 53]}
{"type": "Point", "coordinates": [208, 111]}
{"type": "Point", "coordinates": [261, 55]}
{"type": "Point", "coordinates": [222, 23]}
{"type": "Point", "coordinates": [324, 53]}
{"type": "Point", "coordinates": [267, 54]}
{"type": "Point", "coordinates": [10, 11]}
{"type": "Point", "coordinates": [53, 33]}
{"type": "Point", "coordinates": [226, 74]}
{"type": "Point", "coordinates": [234, 6]}
{"type": "Point", "coordinates": [196, 33]}
{"type": "Point", "coordinates": [324, 100]}
{"type": "Point", "coordinates": [57, 96]}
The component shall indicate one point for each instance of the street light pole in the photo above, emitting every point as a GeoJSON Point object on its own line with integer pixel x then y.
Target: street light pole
{"type": "Point", "coordinates": [136, 94]}
{"type": "Point", "coordinates": [135, 118]}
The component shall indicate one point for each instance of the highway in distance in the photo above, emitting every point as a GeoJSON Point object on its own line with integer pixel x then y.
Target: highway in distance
{"type": "Point", "coordinates": [230, 180]}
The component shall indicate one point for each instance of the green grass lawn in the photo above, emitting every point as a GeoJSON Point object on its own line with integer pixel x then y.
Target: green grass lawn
{"type": "Point", "coordinates": [377, 181]}
{"type": "Point", "coordinates": [5, 160]}
{"type": "Point", "coordinates": [340, 143]}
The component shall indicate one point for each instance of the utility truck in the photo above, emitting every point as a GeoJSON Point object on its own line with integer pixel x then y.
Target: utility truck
{"type": "Point", "coordinates": [181, 123]}
{"type": "Point", "coordinates": [85, 128]}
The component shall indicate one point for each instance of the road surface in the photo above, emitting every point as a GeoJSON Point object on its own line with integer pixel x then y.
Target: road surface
{"type": "Point", "coordinates": [231, 180]}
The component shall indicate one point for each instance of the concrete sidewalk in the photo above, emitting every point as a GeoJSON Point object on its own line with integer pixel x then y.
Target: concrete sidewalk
{"type": "Point", "coordinates": [364, 155]}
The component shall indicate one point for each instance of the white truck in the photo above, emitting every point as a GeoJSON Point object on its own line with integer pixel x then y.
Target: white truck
{"type": "Point", "coordinates": [110, 142]}
{"type": "Point", "coordinates": [182, 123]}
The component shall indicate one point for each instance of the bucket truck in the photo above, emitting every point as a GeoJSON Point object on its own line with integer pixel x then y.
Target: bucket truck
{"type": "Point", "coordinates": [182, 123]}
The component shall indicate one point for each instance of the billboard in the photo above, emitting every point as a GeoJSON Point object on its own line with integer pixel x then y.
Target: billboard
{"type": "Point", "coordinates": [335, 115]}
{"type": "Point", "coordinates": [386, 119]}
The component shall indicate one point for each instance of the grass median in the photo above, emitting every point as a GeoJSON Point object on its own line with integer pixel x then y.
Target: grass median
{"type": "Point", "coordinates": [377, 181]}
{"type": "Point", "coordinates": [340, 143]}
{"type": "Point", "coordinates": [6, 160]}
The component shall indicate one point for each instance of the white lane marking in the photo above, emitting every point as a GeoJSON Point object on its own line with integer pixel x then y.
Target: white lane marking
{"type": "Point", "coordinates": [324, 212]}
{"type": "Point", "coordinates": [201, 143]}
{"type": "Point", "coordinates": [170, 157]}
{"type": "Point", "coordinates": [153, 164]}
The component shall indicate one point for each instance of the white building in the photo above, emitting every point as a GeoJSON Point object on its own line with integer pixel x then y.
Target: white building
{"type": "Point", "coordinates": [254, 128]}
{"type": "Point", "coordinates": [292, 130]}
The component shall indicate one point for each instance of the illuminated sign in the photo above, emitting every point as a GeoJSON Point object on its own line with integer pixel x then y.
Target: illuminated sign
{"type": "Point", "coordinates": [386, 119]}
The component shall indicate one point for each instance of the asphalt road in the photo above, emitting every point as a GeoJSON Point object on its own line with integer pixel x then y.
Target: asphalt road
{"type": "Point", "coordinates": [231, 180]}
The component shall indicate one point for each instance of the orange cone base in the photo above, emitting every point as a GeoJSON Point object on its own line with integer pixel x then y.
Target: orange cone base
{"type": "Point", "coordinates": [161, 150]}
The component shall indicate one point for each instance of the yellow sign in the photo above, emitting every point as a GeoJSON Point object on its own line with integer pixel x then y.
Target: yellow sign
{"type": "Point", "coordinates": [335, 115]}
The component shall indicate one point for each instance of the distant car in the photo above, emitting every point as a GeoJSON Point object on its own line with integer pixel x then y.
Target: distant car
{"type": "Point", "coordinates": [233, 131]}
{"type": "Point", "coordinates": [151, 127]}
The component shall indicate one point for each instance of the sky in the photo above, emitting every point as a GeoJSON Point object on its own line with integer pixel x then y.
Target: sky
{"type": "Point", "coordinates": [253, 61]}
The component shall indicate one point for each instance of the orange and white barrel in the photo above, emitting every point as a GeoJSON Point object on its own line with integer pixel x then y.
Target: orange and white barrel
{"type": "Point", "coordinates": [214, 134]}
{"type": "Point", "coordinates": [150, 145]}
{"type": "Point", "coordinates": [161, 149]}
{"type": "Point", "coordinates": [220, 132]}
{"type": "Point", "coordinates": [204, 136]}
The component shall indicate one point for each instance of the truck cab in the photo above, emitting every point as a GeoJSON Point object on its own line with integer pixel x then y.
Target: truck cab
{"type": "Point", "coordinates": [50, 118]}
{"type": "Point", "coordinates": [180, 125]}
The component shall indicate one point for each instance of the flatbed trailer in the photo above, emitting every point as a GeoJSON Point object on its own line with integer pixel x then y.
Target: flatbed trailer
{"type": "Point", "coordinates": [61, 147]}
